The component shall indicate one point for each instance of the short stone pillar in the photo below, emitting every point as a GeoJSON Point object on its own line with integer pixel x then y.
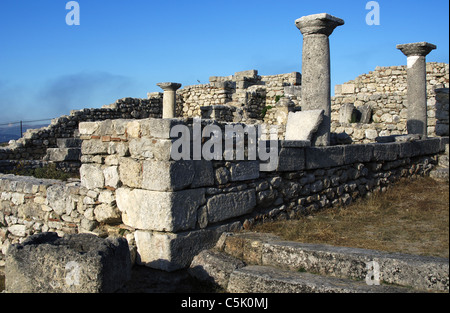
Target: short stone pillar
{"type": "Point", "coordinates": [169, 99]}
{"type": "Point", "coordinates": [417, 85]}
{"type": "Point", "coordinates": [316, 82]}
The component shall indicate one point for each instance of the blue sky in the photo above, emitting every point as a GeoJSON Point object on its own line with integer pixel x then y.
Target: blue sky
{"type": "Point", "coordinates": [124, 48]}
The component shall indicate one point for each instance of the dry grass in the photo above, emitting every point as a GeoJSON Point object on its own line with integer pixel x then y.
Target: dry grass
{"type": "Point", "coordinates": [412, 217]}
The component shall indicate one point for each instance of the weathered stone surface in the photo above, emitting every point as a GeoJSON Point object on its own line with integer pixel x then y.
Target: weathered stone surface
{"type": "Point", "coordinates": [106, 213]}
{"type": "Point", "coordinates": [169, 251]}
{"type": "Point", "coordinates": [161, 211]}
{"type": "Point", "coordinates": [224, 206]}
{"type": "Point", "coordinates": [324, 157]}
{"type": "Point", "coordinates": [406, 270]}
{"type": "Point", "coordinates": [82, 263]}
{"type": "Point", "coordinates": [111, 175]}
{"type": "Point", "coordinates": [303, 124]}
{"type": "Point", "coordinates": [130, 172]}
{"type": "Point", "coordinates": [167, 176]}
{"type": "Point", "coordinates": [94, 147]}
{"type": "Point", "coordinates": [386, 151]}
{"type": "Point", "coordinates": [346, 113]}
{"type": "Point", "coordinates": [88, 128]}
{"type": "Point", "coordinates": [59, 199]}
{"type": "Point", "coordinates": [245, 170]}
{"type": "Point", "coordinates": [92, 176]}
{"type": "Point", "coordinates": [265, 279]}
{"type": "Point", "coordinates": [291, 159]}
{"type": "Point", "coordinates": [214, 267]}
{"type": "Point", "coordinates": [203, 174]}
{"type": "Point", "coordinates": [147, 148]}
{"type": "Point", "coordinates": [357, 153]}
{"type": "Point", "coordinates": [365, 112]}
{"type": "Point", "coordinates": [63, 154]}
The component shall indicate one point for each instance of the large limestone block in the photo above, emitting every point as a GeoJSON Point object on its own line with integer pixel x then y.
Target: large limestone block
{"type": "Point", "coordinates": [170, 252]}
{"type": "Point", "coordinates": [83, 263]}
{"type": "Point", "coordinates": [224, 206]}
{"type": "Point", "coordinates": [302, 125]}
{"type": "Point", "coordinates": [161, 211]}
{"type": "Point", "coordinates": [167, 176]}
{"type": "Point", "coordinates": [92, 176]}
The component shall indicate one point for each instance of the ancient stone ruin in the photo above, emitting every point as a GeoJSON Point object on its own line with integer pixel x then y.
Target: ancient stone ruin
{"type": "Point", "coordinates": [258, 148]}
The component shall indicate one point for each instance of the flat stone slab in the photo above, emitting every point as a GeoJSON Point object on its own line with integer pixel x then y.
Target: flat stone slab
{"type": "Point", "coordinates": [82, 263]}
{"type": "Point", "coordinates": [302, 125]}
{"type": "Point", "coordinates": [214, 267]}
{"type": "Point", "coordinates": [419, 272]}
{"type": "Point", "coordinates": [266, 279]}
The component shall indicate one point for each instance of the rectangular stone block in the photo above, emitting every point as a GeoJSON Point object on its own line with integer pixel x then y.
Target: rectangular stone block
{"type": "Point", "coordinates": [324, 157]}
{"type": "Point", "coordinates": [409, 149]}
{"type": "Point", "coordinates": [92, 176]}
{"type": "Point", "coordinates": [291, 159]}
{"type": "Point", "coordinates": [160, 211]}
{"type": "Point", "coordinates": [159, 128]}
{"type": "Point", "coordinates": [429, 146]}
{"type": "Point", "coordinates": [303, 125]}
{"type": "Point", "coordinates": [83, 263]}
{"type": "Point", "coordinates": [203, 174]}
{"type": "Point", "coordinates": [386, 151]}
{"type": "Point", "coordinates": [224, 206]}
{"type": "Point", "coordinates": [245, 170]}
{"type": "Point", "coordinates": [148, 148]}
{"type": "Point", "coordinates": [167, 176]}
{"type": "Point", "coordinates": [170, 252]}
{"type": "Point", "coordinates": [358, 153]}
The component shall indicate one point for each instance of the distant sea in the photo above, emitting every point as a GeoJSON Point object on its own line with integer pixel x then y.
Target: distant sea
{"type": "Point", "coordinates": [8, 133]}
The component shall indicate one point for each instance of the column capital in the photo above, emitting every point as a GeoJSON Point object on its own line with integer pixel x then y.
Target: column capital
{"type": "Point", "coordinates": [322, 23]}
{"type": "Point", "coordinates": [169, 86]}
{"type": "Point", "coordinates": [416, 49]}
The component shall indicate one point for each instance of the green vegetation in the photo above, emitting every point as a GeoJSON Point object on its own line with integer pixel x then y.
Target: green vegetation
{"type": "Point", "coordinates": [265, 109]}
{"type": "Point", "coordinates": [47, 172]}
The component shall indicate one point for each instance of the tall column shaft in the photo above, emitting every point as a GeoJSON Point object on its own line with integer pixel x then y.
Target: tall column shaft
{"type": "Point", "coordinates": [417, 96]}
{"type": "Point", "coordinates": [169, 99]}
{"type": "Point", "coordinates": [416, 53]}
{"type": "Point", "coordinates": [316, 82]}
{"type": "Point", "coordinates": [316, 77]}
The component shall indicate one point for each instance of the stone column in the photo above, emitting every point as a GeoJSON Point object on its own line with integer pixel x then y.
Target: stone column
{"type": "Point", "coordinates": [169, 99]}
{"type": "Point", "coordinates": [316, 83]}
{"type": "Point", "coordinates": [417, 86]}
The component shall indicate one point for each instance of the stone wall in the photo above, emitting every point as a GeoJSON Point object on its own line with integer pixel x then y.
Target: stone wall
{"type": "Point", "coordinates": [171, 210]}
{"type": "Point", "coordinates": [385, 92]}
{"type": "Point", "coordinates": [246, 93]}
{"type": "Point", "coordinates": [34, 143]}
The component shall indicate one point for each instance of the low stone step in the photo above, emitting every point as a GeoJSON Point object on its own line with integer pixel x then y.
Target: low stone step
{"type": "Point", "coordinates": [266, 279]}
{"type": "Point", "coordinates": [419, 272]}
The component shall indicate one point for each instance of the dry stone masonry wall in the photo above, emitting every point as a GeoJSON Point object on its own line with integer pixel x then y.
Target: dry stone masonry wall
{"type": "Point", "coordinates": [383, 93]}
{"type": "Point", "coordinates": [171, 210]}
